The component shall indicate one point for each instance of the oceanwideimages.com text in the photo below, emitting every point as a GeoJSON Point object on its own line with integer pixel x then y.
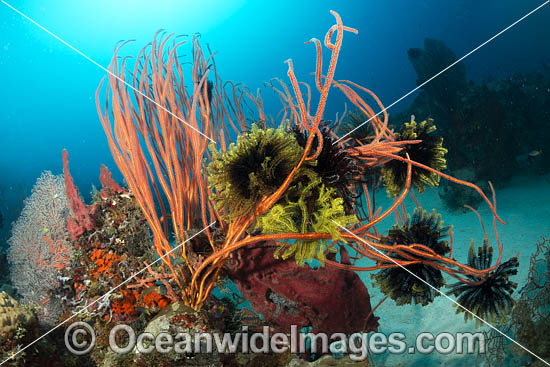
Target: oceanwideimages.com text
{"type": "Point", "coordinates": [80, 339]}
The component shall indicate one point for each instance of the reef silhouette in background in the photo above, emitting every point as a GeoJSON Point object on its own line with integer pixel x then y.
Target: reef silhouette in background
{"type": "Point", "coordinates": [493, 128]}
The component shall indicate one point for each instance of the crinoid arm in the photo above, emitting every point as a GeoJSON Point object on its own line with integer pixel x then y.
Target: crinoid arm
{"type": "Point", "coordinates": [309, 207]}
{"type": "Point", "coordinates": [489, 298]}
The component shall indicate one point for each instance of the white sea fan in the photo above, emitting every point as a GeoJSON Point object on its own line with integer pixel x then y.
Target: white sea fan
{"type": "Point", "coordinates": [39, 246]}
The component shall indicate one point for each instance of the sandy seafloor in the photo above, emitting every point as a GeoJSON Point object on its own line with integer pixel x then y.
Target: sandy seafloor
{"type": "Point", "coordinates": [525, 206]}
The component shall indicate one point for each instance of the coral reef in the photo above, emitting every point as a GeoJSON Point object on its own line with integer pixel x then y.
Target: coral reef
{"type": "Point", "coordinates": [17, 324]}
{"type": "Point", "coordinates": [289, 186]}
{"type": "Point", "coordinates": [530, 318]}
{"type": "Point", "coordinates": [118, 245]}
{"type": "Point", "coordinates": [13, 315]}
{"type": "Point", "coordinates": [107, 253]}
{"type": "Point", "coordinates": [528, 322]}
{"type": "Point", "coordinates": [290, 183]}
{"type": "Point", "coordinates": [177, 318]}
{"type": "Point", "coordinates": [197, 212]}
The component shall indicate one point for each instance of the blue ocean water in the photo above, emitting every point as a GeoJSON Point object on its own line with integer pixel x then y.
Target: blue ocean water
{"type": "Point", "coordinates": [47, 95]}
{"type": "Point", "coordinates": [47, 89]}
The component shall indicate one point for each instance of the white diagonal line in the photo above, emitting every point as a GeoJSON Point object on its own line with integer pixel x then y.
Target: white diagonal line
{"type": "Point", "coordinates": [441, 293]}
{"type": "Point", "coordinates": [447, 68]}
{"type": "Point", "coordinates": [104, 68]}
{"type": "Point", "coordinates": [106, 294]}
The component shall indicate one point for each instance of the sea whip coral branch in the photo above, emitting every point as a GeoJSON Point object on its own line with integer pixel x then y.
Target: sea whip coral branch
{"type": "Point", "coordinates": [80, 220]}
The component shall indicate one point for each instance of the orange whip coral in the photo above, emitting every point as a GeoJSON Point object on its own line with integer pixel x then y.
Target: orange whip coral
{"type": "Point", "coordinates": [159, 121]}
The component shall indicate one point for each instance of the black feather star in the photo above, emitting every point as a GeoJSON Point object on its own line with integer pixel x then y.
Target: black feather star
{"type": "Point", "coordinates": [334, 165]}
{"type": "Point", "coordinates": [400, 284]}
{"type": "Point", "coordinates": [491, 298]}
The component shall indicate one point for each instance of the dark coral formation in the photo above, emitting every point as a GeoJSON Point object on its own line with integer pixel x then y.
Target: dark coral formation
{"type": "Point", "coordinates": [494, 127]}
{"type": "Point", "coordinates": [19, 328]}
{"type": "Point", "coordinates": [402, 286]}
{"type": "Point", "coordinates": [434, 57]}
{"type": "Point", "coordinates": [530, 318]}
